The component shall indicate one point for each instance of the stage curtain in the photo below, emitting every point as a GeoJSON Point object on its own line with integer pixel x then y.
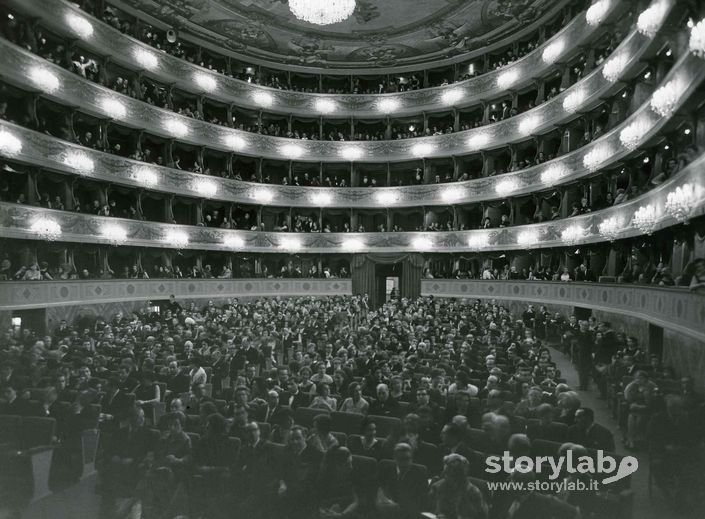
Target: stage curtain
{"type": "Point", "coordinates": [363, 273]}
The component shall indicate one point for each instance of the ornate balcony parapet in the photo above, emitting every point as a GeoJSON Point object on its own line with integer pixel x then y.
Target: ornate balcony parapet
{"type": "Point", "coordinates": [42, 150]}
{"type": "Point", "coordinates": [672, 308]}
{"type": "Point", "coordinates": [16, 295]}
{"type": "Point", "coordinates": [17, 221]}
{"type": "Point", "coordinates": [106, 41]}
{"type": "Point", "coordinates": [17, 65]}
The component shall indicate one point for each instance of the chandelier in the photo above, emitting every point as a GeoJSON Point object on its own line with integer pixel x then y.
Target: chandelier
{"type": "Point", "coordinates": [632, 135]}
{"type": "Point", "coordinates": [665, 99]}
{"type": "Point", "coordinates": [115, 234]}
{"type": "Point", "coordinates": [596, 13]}
{"type": "Point", "coordinates": [645, 219]}
{"type": "Point", "coordinates": [505, 187]}
{"type": "Point", "coordinates": [697, 38]}
{"type": "Point", "coordinates": [46, 229]}
{"type": "Point", "coordinates": [9, 144]}
{"type": "Point", "coordinates": [614, 67]}
{"type": "Point", "coordinates": [650, 20]}
{"type": "Point", "coordinates": [610, 228]}
{"type": "Point", "coordinates": [553, 174]}
{"type": "Point", "coordinates": [594, 159]}
{"type": "Point", "coordinates": [572, 234]}
{"type": "Point", "coordinates": [572, 101]}
{"type": "Point", "coordinates": [322, 12]}
{"type": "Point", "coordinates": [681, 201]}
{"type": "Point", "coordinates": [528, 239]}
{"type": "Point", "coordinates": [478, 241]}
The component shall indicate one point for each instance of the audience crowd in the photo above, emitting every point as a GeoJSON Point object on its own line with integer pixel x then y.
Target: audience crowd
{"type": "Point", "coordinates": [310, 407]}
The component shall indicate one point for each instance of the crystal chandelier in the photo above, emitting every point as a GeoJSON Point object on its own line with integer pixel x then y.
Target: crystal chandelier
{"type": "Point", "coordinates": [632, 134]}
{"type": "Point", "coordinates": [553, 174]}
{"type": "Point", "coordinates": [697, 39]}
{"type": "Point", "coordinates": [572, 101]}
{"type": "Point", "coordinates": [233, 242]}
{"type": "Point", "coordinates": [528, 238]}
{"type": "Point", "coordinates": [572, 234]}
{"type": "Point", "coordinates": [614, 67]}
{"type": "Point", "coordinates": [115, 234]}
{"type": "Point", "coordinates": [9, 144]}
{"type": "Point", "coordinates": [596, 13]}
{"type": "Point", "coordinates": [596, 157]}
{"type": "Point", "coordinates": [46, 229]}
{"type": "Point", "coordinates": [478, 241]}
{"type": "Point", "coordinates": [178, 239]}
{"type": "Point", "coordinates": [322, 12]}
{"type": "Point", "coordinates": [610, 228]}
{"type": "Point", "coordinates": [505, 187]}
{"type": "Point", "coordinates": [645, 219]}
{"type": "Point", "coordinates": [649, 21]}
{"type": "Point", "coordinates": [681, 201]}
{"type": "Point", "coordinates": [665, 99]}
{"type": "Point", "coordinates": [553, 51]}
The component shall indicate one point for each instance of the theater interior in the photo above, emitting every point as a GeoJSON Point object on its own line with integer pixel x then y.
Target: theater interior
{"type": "Point", "coordinates": [316, 259]}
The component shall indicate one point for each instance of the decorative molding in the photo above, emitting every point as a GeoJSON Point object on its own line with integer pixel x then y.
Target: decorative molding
{"type": "Point", "coordinates": [15, 295]}
{"type": "Point", "coordinates": [88, 97]}
{"type": "Point", "coordinates": [674, 309]}
{"type": "Point", "coordinates": [16, 222]}
{"type": "Point", "coordinates": [107, 41]}
{"type": "Point", "coordinates": [49, 152]}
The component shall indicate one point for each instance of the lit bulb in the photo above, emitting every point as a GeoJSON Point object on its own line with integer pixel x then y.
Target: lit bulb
{"type": "Point", "coordinates": [388, 105]}
{"type": "Point", "coordinates": [325, 105]}
{"type": "Point", "coordinates": [206, 82]}
{"type": "Point", "coordinates": [146, 59]}
{"type": "Point", "coordinates": [79, 25]}
{"type": "Point", "coordinates": [9, 144]}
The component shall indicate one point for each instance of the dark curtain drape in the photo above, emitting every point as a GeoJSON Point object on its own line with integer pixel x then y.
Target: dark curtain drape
{"type": "Point", "coordinates": [364, 279]}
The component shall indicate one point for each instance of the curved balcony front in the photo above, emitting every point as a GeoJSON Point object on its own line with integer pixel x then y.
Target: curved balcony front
{"type": "Point", "coordinates": [107, 41]}
{"type": "Point", "coordinates": [55, 154]}
{"type": "Point", "coordinates": [17, 221]}
{"type": "Point", "coordinates": [66, 88]}
{"type": "Point", "coordinates": [23, 295]}
{"type": "Point", "coordinates": [674, 309]}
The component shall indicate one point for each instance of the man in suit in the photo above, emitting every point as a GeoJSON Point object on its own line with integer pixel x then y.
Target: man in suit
{"type": "Point", "coordinates": [296, 397]}
{"type": "Point", "coordinates": [176, 381]}
{"type": "Point", "coordinates": [13, 404]}
{"type": "Point", "coordinates": [273, 410]}
{"type": "Point", "coordinates": [384, 405]}
{"type": "Point", "coordinates": [257, 476]}
{"type": "Point", "coordinates": [546, 428]}
{"type": "Point", "coordinates": [300, 466]}
{"type": "Point", "coordinates": [402, 485]}
{"type": "Point", "coordinates": [588, 433]}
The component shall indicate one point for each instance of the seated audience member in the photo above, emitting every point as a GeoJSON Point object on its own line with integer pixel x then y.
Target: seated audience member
{"type": "Point", "coordinates": [588, 433]}
{"type": "Point", "coordinates": [166, 476]}
{"type": "Point", "coordinates": [323, 400]}
{"type": "Point", "coordinates": [125, 462]}
{"type": "Point", "coordinates": [402, 485]}
{"type": "Point", "coordinates": [321, 438]}
{"type": "Point", "coordinates": [455, 496]}
{"type": "Point", "coordinates": [546, 428]}
{"type": "Point", "coordinates": [256, 480]}
{"type": "Point", "coordinates": [384, 405]}
{"type": "Point", "coordinates": [339, 488]}
{"type": "Point", "coordinates": [355, 403]}
{"type": "Point", "coordinates": [300, 467]}
{"type": "Point", "coordinates": [368, 444]}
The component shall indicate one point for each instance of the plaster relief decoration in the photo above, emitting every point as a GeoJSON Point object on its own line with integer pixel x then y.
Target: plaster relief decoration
{"type": "Point", "coordinates": [413, 31]}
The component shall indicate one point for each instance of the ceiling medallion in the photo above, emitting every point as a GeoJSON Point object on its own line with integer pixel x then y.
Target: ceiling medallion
{"type": "Point", "coordinates": [322, 12]}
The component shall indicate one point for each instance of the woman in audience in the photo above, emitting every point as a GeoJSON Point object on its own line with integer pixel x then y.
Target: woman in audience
{"type": "Point", "coordinates": [355, 403]}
